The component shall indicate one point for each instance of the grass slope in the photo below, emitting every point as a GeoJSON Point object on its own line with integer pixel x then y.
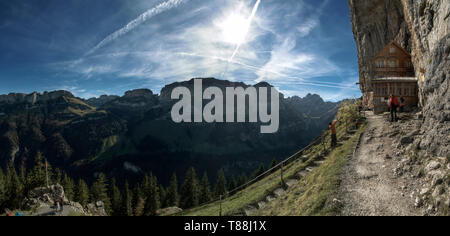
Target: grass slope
{"type": "Point", "coordinates": [311, 196]}
{"type": "Point", "coordinates": [314, 194]}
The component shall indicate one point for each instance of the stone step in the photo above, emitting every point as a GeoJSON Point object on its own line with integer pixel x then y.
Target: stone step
{"type": "Point", "coordinates": [318, 163]}
{"type": "Point", "coordinates": [291, 182]}
{"type": "Point", "coordinates": [304, 158]}
{"type": "Point", "coordinates": [261, 204]}
{"type": "Point", "coordinates": [279, 192]}
{"type": "Point", "coordinates": [250, 210]}
{"type": "Point", "coordinates": [270, 198]}
{"type": "Point", "coordinates": [310, 169]}
{"type": "Point", "coordinates": [302, 174]}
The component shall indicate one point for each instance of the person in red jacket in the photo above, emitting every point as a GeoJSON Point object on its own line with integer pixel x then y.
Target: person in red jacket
{"type": "Point", "coordinates": [332, 127]}
{"type": "Point", "coordinates": [8, 212]}
{"type": "Point", "coordinates": [393, 104]}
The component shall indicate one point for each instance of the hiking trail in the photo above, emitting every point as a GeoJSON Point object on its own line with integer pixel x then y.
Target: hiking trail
{"type": "Point", "coordinates": [369, 185]}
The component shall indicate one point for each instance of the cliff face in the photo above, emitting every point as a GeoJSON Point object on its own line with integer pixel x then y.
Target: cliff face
{"type": "Point", "coordinates": [422, 27]}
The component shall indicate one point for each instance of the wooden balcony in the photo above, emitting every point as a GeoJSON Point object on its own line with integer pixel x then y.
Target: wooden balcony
{"type": "Point", "coordinates": [394, 69]}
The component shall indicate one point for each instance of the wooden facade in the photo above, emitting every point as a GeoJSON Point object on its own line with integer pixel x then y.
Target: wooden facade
{"type": "Point", "coordinates": [401, 87]}
{"type": "Point", "coordinates": [392, 73]}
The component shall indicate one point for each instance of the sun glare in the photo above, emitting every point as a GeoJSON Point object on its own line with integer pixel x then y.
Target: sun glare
{"type": "Point", "coordinates": [234, 29]}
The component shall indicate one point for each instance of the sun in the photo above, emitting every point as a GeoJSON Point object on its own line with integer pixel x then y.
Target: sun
{"type": "Point", "coordinates": [234, 29]}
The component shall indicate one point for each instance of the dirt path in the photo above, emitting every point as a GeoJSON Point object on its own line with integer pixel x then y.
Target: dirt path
{"type": "Point", "coordinates": [369, 186]}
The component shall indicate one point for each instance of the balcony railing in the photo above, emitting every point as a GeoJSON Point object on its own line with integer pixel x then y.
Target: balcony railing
{"type": "Point", "coordinates": [394, 69]}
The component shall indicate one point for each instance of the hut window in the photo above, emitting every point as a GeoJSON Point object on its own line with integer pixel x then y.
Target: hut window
{"type": "Point", "coordinates": [406, 92]}
{"type": "Point", "coordinates": [380, 64]}
{"type": "Point", "coordinates": [393, 63]}
{"type": "Point", "coordinates": [400, 92]}
{"type": "Point", "coordinates": [392, 50]}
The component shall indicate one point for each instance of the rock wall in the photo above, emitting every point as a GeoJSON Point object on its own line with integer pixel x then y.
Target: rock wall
{"type": "Point", "coordinates": [422, 27]}
{"type": "Point", "coordinates": [34, 97]}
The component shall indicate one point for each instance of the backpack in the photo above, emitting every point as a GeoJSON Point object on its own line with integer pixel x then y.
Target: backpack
{"type": "Point", "coordinates": [393, 102]}
{"type": "Point", "coordinates": [396, 102]}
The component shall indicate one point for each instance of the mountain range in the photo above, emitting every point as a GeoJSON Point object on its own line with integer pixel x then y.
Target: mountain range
{"type": "Point", "coordinates": [127, 136]}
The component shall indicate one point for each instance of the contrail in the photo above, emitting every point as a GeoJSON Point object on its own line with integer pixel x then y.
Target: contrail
{"type": "Point", "coordinates": [299, 81]}
{"type": "Point", "coordinates": [249, 22]}
{"type": "Point", "coordinates": [162, 7]}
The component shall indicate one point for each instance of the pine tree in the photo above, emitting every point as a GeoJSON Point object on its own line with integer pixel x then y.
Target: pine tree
{"type": "Point", "coordinates": [138, 201]}
{"type": "Point", "coordinates": [99, 192]}
{"type": "Point", "coordinates": [273, 164]}
{"type": "Point", "coordinates": [162, 197]}
{"type": "Point", "coordinates": [139, 208]}
{"type": "Point", "coordinates": [242, 180]}
{"type": "Point", "coordinates": [57, 177]}
{"type": "Point", "coordinates": [2, 188]}
{"type": "Point", "coordinates": [116, 198]}
{"type": "Point", "coordinates": [68, 186]}
{"type": "Point", "coordinates": [190, 190]}
{"type": "Point", "coordinates": [233, 184]}
{"type": "Point", "coordinates": [37, 177]}
{"type": "Point", "coordinates": [205, 190]}
{"type": "Point", "coordinates": [172, 198]}
{"type": "Point", "coordinates": [14, 188]}
{"type": "Point", "coordinates": [127, 201]}
{"type": "Point", "coordinates": [151, 193]}
{"type": "Point", "coordinates": [221, 185]}
{"type": "Point", "coordinates": [82, 193]}
{"type": "Point", "coordinates": [259, 171]}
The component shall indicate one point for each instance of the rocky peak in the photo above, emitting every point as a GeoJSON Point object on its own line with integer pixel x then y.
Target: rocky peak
{"type": "Point", "coordinates": [313, 98]}
{"type": "Point", "coordinates": [139, 93]}
{"type": "Point", "coordinates": [100, 101]}
{"type": "Point", "coordinates": [206, 82]}
{"type": "Point", "coordinates": [34, 97]}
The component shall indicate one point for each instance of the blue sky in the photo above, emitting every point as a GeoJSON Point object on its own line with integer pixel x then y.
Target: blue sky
{"type": "Point", "coordinates": [110, 46]}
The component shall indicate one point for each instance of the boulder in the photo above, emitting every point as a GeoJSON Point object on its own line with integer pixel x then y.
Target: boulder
{"type": "Point", "coordinates": [436, 177]}
{"type": "Point", "coordinates": [168, 211]}
{"type": "Point", "coordinates": [406, 140]}
{"type": "Point", "coordinates": [45, 195]}
{"type": "Point", "coordinates": [96, 209]}
{"type": "Point", "coordinates": [433, 165]}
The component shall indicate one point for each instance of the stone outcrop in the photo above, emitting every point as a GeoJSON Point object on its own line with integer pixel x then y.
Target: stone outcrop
{"type": "Point", "coordinates": [422, 27]}
{"type": "Point", "coordinates": [102, 100]}
{"type": "Point", "coordinates": [139, 93]}
{"type": "Point", "coordinates": [34, 97]}
{"type": "Point", "coordinates": [41, 202]}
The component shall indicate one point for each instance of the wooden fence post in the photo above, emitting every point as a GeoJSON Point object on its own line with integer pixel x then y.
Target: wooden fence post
{"type": "Point", "coordinates": [220, 204]}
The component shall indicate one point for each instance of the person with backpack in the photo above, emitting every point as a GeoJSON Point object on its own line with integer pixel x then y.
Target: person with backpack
{"type": "Point", "coordinates": [8, 212]}
{"type": "Point", "coordinates": [332, 127]}
{"type": "Point", "coordinates": [402, 105]}
{"type": "Point", "coordinates": [392, 105]}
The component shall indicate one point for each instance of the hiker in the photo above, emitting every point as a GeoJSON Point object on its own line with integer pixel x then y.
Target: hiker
{"type": "Point", "coordinates": [392, 105]}
{"type": "Point", "coordinates": [402, 104]}
{"type": "Point", "coordinates": [61, 203]}
{"type": "Point", "coordinates": [8, 212]}
{"type": "Point", "coordinates": [332, 127]}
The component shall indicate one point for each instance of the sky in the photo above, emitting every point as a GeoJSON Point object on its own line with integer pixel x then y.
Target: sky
{"type": "Point", "coordinates": [91, 48]}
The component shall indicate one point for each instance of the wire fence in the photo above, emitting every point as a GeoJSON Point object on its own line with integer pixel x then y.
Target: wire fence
{"type": "Point", "coordinates": [319, 140]}
{"type": "Point", "coordinates": [268, 172]}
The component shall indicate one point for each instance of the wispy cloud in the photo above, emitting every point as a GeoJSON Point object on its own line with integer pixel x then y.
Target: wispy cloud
{"type": "Point", "coordinates": [162, 7]}
{"type": "Point", "coordinates": [276, 48]}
